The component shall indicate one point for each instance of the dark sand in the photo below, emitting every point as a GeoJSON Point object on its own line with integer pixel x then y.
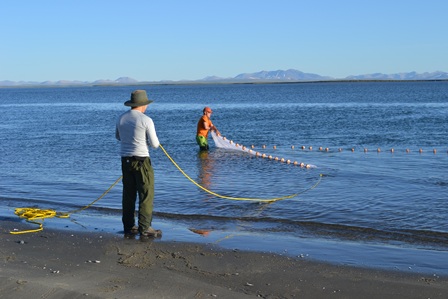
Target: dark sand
{"type": "Point", "coordinates": [61, 264]}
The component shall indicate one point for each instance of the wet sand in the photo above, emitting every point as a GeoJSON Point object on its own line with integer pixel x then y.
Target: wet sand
{"type": "Point", "coordinates": [63, 264]}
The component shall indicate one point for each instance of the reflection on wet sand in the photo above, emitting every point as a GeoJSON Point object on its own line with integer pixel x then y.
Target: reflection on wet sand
{"type": "Point", "coordinates": [206, 165]}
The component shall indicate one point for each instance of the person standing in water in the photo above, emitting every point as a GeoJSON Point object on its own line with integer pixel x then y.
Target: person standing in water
{"type": "Point", "coordinates": [204, 126]}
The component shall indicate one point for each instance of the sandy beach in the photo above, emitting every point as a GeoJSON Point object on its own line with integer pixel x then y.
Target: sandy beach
{"type": "Point", "coordinates": [61, 264]}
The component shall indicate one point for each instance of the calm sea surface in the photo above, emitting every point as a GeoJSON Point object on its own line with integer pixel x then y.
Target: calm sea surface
{"type": "Point", "coordinates": [58, 151]}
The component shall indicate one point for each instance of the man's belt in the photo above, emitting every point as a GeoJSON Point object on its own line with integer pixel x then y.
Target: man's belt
{"type": "Point", "coordinates": [136, 158]}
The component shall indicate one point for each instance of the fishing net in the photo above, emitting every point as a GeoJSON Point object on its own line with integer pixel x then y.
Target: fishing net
{"type": "Point", "coordinates": [223, 142]}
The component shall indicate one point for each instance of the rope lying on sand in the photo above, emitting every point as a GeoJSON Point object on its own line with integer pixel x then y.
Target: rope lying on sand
{"type": "Point", "coordinates": [32, 215]}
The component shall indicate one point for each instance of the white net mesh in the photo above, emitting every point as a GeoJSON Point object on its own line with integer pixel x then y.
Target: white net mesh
{"type": "Point", "coordinates": [223, 142]}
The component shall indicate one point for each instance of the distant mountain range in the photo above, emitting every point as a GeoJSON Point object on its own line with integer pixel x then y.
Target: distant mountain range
{"type": "Point", "coordinates": [119, 81]}
{"type": "Point", "coordinates": [290, 75]}
{"type": "Point", "coordinates": [295, 75]}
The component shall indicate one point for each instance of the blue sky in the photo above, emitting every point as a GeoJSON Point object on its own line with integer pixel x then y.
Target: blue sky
{"type": "Point", "coordinates": [176, 39]}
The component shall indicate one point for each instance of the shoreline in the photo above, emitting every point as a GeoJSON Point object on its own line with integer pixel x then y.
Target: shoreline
{"type": "Point", "coordinates": [217, 82]}
{"type": "Point", "coordinates": [72, 264]}
{"type": "Point", "coordinates": [360, 253]}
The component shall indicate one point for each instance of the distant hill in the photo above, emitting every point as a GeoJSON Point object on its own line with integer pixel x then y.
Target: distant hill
{"type": "Point", "coordinates": [290, 75]}
{"type": "Point", "coordinates": [401, 76]}
{"type": "Point", "coordinates": [119, 81]}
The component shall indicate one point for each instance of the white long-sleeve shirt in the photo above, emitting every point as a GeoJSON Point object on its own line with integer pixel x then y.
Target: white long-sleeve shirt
{"type": "Point", "coordinates": [136, 132]}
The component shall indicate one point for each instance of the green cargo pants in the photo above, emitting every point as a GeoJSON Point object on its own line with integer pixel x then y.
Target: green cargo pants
{"type": "Point", "coordinates": [138, 178]}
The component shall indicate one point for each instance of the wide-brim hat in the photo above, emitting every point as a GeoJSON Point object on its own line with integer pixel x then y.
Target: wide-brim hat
{"type": "Point", "coordinates": [138, 98]}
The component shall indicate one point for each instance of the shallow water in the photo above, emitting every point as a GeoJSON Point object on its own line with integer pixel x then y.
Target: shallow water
{"type": "Point", "coordinates": [58, 151]}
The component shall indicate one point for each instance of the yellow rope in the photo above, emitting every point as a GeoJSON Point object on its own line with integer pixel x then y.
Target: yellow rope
{"type": "Point", "coordinates": [102, 195]}
{"type": "Point", "coordinates": [238, 198]}
{"type": "Point", "coordinates": [33, 214]}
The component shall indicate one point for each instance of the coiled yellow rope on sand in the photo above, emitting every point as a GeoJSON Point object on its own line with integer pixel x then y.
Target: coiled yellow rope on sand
{"type": "Point", "coordinates": [32, 215]}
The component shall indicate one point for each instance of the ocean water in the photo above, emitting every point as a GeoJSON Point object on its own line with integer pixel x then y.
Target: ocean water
{"type": "Point", "coordinates": [378, 196]}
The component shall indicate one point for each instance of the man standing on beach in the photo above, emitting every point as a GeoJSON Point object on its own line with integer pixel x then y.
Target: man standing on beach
{"type": "Point", "coordinates": [136, 132]}
{"type": "Point", "coordinates": [204, 126]}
